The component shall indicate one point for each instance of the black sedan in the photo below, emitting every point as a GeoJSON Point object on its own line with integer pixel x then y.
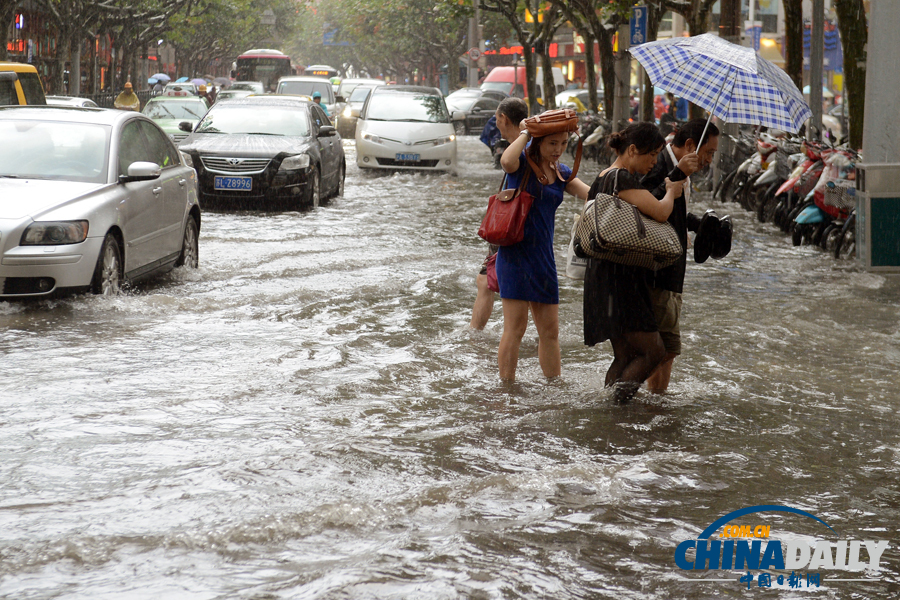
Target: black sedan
{"type": "Point", "coordinates": [265, 151]}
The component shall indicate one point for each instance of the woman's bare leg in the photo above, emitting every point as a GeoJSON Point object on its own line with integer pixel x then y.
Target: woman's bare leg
{"type": "Point", "coordinates": [546, 321]}
{"type": "Point", "coordinates": [515, 321]}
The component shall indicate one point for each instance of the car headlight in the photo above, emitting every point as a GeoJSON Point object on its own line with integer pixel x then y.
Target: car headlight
{"type": "Point", "coordinates": [186, 159]}
{"type": "Point", "coordinates": [372, 138]}
{"type": "Point", "coordinates": [444, 140]}
{"type": "Point", "coordinates": [54, 233]}
{"type": "Point", "coordinates": [292, 163]}
{"type": "Point", "coordinates": [347, 113]}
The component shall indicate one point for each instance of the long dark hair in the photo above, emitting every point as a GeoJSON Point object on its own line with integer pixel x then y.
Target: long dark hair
{"type": "Point", "coordinates": [644, 135]}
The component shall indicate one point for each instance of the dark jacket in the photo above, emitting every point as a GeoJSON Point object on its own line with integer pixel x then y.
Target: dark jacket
{"type": "Point", "coordinates": [672, 277]}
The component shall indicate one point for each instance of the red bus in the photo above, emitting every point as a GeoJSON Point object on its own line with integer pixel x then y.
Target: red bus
{"type": "Point", "coordinates": [262, 65]}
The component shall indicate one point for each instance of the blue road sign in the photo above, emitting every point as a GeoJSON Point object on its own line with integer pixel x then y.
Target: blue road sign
{"type": "Point", "coordinates": [638, 25]}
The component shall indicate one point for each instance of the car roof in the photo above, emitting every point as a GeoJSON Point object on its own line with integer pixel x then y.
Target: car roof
{"type": "Point", "coordinates": [406, 89]}
{"type": "Point", "coordinates": [176, 99]}
{"type": "Point", "coordinates": [270, 100]}
{"type": "Point", "coordinates": [17, 67]}
{"type": "Point", "coordinates": [303, 78]}
{"type": "Point", "coordinates": [97, 116]}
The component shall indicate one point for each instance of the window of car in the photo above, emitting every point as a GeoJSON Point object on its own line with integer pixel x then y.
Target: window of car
{"type": "Point", "coordinates": [132, 146]}
{"type": "Point", "coordinates": [318, 116]}
{"type": "Point", "coordinates": [8, 93]}
{"type": "Point", "coordinates": [53, 150]}
{"type": "Point", "coordinates": [259, 119]}
{"type": "Point", "coordinates": [306, 88]}
{"type": "Point", "coordinates": [407, 106]}
{"type": "Point", "coordinates": [487, 104]}
{"type": "Point", "coordinates": [159, 146]}
{"type": "Point", "coordinates": [359, 94]}
{"type": "Point", "coordinates": [32, 88]}
{"type": "Point", "coordinates": [175, 109]}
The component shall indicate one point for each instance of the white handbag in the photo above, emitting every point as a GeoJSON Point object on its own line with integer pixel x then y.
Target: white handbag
{"type": "Point", "coordinates": [575, 265]}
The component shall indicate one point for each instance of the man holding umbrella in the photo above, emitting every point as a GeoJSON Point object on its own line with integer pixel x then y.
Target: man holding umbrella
{"type": "Point", "coordinates": [687, 154]}
{"type": "Point", "coordinates": [736, 85]}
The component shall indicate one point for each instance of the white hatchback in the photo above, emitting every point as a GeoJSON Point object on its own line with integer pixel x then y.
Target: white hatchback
{"type": "Point", "coordinates": [405, 127]}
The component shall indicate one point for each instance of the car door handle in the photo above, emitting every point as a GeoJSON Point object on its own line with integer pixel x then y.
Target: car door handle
{"type": "Point", "coordinates": [157, 190]}
{"type": "Point", "coordinates": [181, 182]}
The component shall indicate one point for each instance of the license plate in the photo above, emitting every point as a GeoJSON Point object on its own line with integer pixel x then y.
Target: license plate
{"type": "Point", "coordinates": [240, 184]}
{"type": "Point", "coordinates": [408, 157]}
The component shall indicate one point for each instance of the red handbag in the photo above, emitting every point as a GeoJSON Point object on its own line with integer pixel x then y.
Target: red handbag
{"type": "Point", "coordinates": [504, 221]}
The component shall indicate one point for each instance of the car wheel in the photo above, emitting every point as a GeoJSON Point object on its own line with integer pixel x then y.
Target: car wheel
{"type": "Point", "coordinates": [460, 128]}
{"type": "Point", "coordinates": [107, 278]}
{"type": "Point", "coordinates": [314, 193]}
{"type": "Point", "coordinates": [190, 246]}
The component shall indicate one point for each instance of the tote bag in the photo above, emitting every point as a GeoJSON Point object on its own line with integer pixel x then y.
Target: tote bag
{"type": "Point", "coordinates": [614, 230]}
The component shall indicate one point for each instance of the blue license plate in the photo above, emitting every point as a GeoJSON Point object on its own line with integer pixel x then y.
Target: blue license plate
{"type": "Point", "coordinates": [238, 184]}
{"type": "Point", "coordinates": [408, 157]}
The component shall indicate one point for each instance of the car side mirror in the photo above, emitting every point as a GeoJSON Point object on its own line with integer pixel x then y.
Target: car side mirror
{"type": "Point", "coordinates": [339, 99]}
{"type": "Point", "coordinates": [186, 126]}
{"type": "Point", "coordinates": [354, 112]}
{"type": "Point", "coordinates": [477, 109]}
{"type": "Point", "coordinates": [326, 131]}
{"type": "Point", "coordinates": [459, 115]}
{"type": "Point", "coordinates": [141, 171]}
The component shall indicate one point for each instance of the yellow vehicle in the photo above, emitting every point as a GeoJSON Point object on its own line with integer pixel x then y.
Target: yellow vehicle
{"type": "Point", "coordinates": [20, 84]}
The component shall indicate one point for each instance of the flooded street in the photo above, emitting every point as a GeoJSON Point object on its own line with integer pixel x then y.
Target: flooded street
{"type": "Point", "coordinates": [308, 416]}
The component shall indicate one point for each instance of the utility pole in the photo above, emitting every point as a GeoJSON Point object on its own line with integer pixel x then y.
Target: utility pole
{"type": "Point", "coordinates": [816, 57]}
{"type": "Point", "coordinates": [474, 50]}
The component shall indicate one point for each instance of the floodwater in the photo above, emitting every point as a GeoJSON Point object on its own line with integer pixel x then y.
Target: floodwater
{"type": "Point", "coordinates": [308, 416]}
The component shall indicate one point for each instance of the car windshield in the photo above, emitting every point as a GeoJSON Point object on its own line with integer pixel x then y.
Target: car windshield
{"type": "Point", "coordinates": [53, 150]}
{"type": "Point", "coordinates": [305, 88]}
{"type": "Point", "coordinates": [424, 108]}
{"type": "Point", "coordinates": [175, 109]}
{"type": "Point", "coordinates": [500, 86]}
{"type": "Point", "coordinates": [359, 94]}
{"type": "Point", "coordinates": [463, 103]}
{"type": "Point", "coordinates": [255, 119]}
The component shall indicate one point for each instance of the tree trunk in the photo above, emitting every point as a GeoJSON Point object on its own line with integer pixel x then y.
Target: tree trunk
{"type": "Point", "coordinates": [75, 70]}
{"type": "Point", "coordinates": [63, 48]}
{"type": "Point", "coordinates": [530, 75]}
{"type": "Point", "coordinates": [549, 84]}
{"type": "Point", "coordinates": [607, 68]}
{"type": "Point", "coordinates": [793, 41]}
{"type": "Point", "coordinates": [854, 37]}
{"type": "Point", "coordinates": [590, 70]}
{"type": "Point", "coordinates": [654, 15]}
{"type": "Point", "coordinates": [7, 11]}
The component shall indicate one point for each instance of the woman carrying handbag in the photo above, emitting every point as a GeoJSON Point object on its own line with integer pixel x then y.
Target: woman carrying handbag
{"type": "Point", "coordinates": [526, 270]}
{"type": "Point", "coordinates": [617, 305]}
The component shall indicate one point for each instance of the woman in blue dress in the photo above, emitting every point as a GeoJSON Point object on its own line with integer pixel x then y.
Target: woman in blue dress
{"type": "Point", "coordinates": [526, 271]}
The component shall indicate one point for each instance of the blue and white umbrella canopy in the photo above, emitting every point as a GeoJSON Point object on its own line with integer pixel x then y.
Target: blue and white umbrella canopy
{"type": "Point", "coordinates": [732, 82]}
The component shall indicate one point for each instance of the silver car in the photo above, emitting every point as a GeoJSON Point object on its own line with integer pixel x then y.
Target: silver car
{"type": "Point", "coordinates": [89, 199]}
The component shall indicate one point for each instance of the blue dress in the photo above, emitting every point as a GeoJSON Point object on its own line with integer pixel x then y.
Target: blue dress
{"type": "Point", "coordinates": [527, 270]}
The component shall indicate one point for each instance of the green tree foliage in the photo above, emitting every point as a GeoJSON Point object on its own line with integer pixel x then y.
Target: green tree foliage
{"type": "Point", "coordinates": [394, 38]}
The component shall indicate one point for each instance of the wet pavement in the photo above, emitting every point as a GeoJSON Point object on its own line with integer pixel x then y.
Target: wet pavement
{"type": "Point", "coordinates": [308, 416]}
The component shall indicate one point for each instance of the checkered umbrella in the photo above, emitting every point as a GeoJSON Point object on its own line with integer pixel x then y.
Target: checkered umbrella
{"type": "Point", "coordinates": [732, 82]}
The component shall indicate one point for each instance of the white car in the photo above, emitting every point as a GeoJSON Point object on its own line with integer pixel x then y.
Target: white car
{"type": "Point", "coordinates": [405, 127]}
{"type": "Point", "coordinates": [71, 101]}
{"type": "Point", "coordinates": [89, 199]}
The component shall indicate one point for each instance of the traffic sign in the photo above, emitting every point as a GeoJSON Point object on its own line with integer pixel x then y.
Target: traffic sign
{"type": "Point", "coordinates": [474, 53]}
{"type": "Point", "coordinates": [638, 25]}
